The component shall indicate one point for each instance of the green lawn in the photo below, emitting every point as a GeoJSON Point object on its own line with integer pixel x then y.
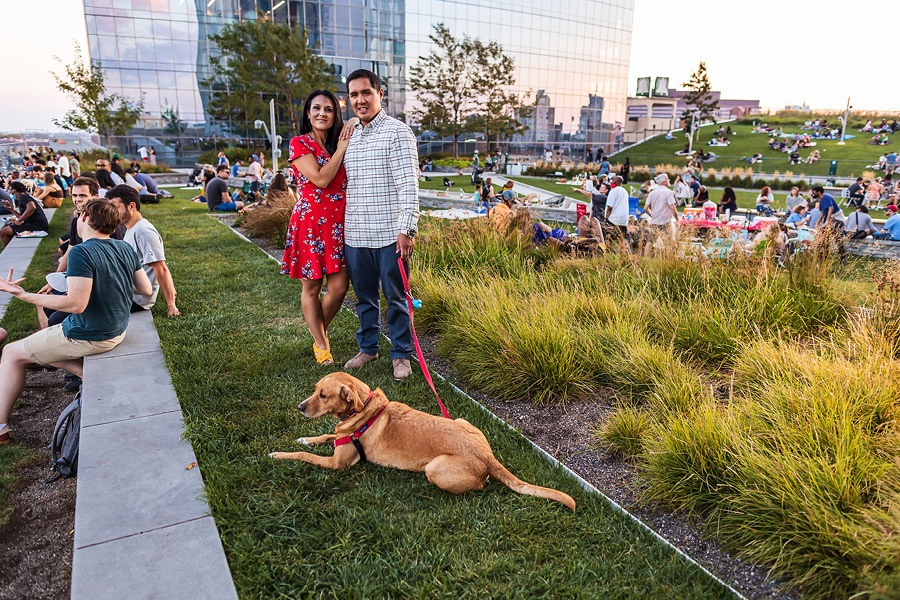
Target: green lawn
{"type": "Point", "coordinates": [852, 158]}
{"type": "Point", "coordinates": [241, 361]}
{"type": "Point", "coordinates": [20, 320]}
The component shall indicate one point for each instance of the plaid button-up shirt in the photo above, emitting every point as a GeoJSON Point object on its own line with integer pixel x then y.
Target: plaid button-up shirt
{"type": "Point", "coordinates": [382, 185]}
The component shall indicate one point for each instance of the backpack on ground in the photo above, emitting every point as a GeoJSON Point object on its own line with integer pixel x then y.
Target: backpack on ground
{"type": "Point", "coordinates": [64, 444]}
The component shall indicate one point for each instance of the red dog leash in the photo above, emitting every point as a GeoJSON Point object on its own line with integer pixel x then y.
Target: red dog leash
{"type": "Point", "coordinates": [412, 327]}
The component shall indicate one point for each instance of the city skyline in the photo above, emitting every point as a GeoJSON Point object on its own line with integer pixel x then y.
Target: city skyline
{"type": "Point", "coordinates": [750, 62]}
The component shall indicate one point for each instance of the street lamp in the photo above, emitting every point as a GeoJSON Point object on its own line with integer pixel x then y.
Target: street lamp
{"type": "Point", "coordinates": [275, 140]}
{"type": "Point", "coordinates": [844, 118]}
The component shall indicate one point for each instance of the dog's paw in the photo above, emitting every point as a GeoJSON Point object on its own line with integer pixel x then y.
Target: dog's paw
{"type": "Point", "coordinates": [274, 455]}
{"type": "Point", "coordinates": [303, 441]}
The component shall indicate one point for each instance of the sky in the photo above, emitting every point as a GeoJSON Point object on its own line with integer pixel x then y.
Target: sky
{"type": "Point", "coordinates": [781, 52]}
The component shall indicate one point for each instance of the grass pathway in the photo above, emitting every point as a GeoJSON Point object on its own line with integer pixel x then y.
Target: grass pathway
{"type": "Point", "coordinates": [241, 361]}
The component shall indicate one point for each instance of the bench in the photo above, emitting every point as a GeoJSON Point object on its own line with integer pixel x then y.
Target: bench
{"type": "Point", "coordinates": [142, 528]}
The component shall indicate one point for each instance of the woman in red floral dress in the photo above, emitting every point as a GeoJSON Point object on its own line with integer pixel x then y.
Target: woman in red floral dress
{"type": "Point", "coordinates": [314, 248]}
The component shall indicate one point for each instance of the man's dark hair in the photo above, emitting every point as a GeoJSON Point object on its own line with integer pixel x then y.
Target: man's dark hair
{"type": "Point", "coordinates": [126, 195]}
{"type": "Point", "coordinates": [858, 179]}
{"type": "Point", "coordinates": [818, 188]}
{"type": "Point", "coordinates": [90, 182]}
{"type": "Point", "coordinates": [367, 74]}
{"type": "Point", "coordinates": [102, 215]}
{"type": "Point", "coordinates": [222, 167]}
{"type": "Point", "coordinates": [18, 187]}
{"type": "Point", "coordinates": [863, 208]}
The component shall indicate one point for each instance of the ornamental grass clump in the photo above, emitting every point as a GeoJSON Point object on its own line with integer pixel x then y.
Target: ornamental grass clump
{"type": "Point", "coordinates": [623, 432]}
{"type": "Point", "coordinates": [270, 219]}
{"type": "Point", "coordinates": [689, 460]}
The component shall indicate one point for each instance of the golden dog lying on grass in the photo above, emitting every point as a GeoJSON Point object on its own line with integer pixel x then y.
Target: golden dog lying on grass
{"type": "Point", "coordinates": [453, 454]}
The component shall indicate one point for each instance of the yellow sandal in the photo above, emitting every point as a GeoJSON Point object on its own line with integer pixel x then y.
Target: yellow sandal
{"type": "Point", "coordinates": [323, 357]}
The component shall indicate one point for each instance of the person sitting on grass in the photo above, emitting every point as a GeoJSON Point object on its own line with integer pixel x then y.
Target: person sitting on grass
{"type": "Point", "coordinates": [29, 216]}
{"type": "Point", "coordinates": [798, 218]}
{"type": "Point", "coordinates": [207, 176]}
{"type": "Point", "coordinates": [764, 202]}
{"type": "Point", "coordinates": [728, 204]}
{"type": "Point", "coordinates": [102, 276]}
{"type": "Point", "coordinates": [217, 198]}
{"type": "Point", "coordinates": [813, 157]}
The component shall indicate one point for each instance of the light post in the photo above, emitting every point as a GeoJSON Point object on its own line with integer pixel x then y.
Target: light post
{"type": "Point", "coordinates": [844, 118]}
{"type": "Point", "coordinates": [275, 140]}
{"type": "Point", "coordinates": [691, 138]}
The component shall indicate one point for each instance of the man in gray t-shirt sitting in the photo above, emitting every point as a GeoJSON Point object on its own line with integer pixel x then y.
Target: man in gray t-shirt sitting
{"type": "Point", "coordinates": [148, 245]}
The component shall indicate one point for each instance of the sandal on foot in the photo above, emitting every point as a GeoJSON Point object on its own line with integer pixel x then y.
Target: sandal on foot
{"type": "Point", "coordinates": [5, 436]}
{"type": "Point", "coordinates": [323, 357]}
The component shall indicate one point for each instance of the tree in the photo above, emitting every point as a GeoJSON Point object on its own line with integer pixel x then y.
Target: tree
{"type": "Point", "coordinates": [459, 86]}
{"type": "Point", "coordinates": [699, 98]}
{"type": "Point", "coordinates": [500, 114]}
{"type": "Point", "coordinates": [261, 60]}
{"type": "Point", "coordinates": [95, 109]}
{"type": "Point", "coordinates": [174, 124]}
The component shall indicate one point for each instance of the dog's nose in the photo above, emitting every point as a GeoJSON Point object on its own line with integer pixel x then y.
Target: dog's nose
{"type": "Point", "coordinates": [302, 407]}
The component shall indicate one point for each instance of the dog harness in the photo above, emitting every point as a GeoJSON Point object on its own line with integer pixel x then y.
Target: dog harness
{"type": "Point", "coordinates": [354, 437]}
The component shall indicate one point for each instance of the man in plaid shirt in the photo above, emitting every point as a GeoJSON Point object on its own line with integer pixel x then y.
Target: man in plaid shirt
{"type": "Point", "coordinates": [380, 220]}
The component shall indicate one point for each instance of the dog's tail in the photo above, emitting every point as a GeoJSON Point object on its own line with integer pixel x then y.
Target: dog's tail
{"type": "Point", "coordinates": [501, 474]}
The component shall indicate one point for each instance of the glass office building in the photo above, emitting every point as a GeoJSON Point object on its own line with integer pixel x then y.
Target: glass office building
{"type": "Point", "coordinates": [574, 61]}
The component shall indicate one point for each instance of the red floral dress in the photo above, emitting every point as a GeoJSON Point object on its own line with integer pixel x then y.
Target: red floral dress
{"type": "Point", "coordinates": [314, 246]}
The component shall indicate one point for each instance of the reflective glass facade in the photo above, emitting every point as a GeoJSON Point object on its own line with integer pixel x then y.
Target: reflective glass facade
{"type": "Point", "coordinates": [573, 58]}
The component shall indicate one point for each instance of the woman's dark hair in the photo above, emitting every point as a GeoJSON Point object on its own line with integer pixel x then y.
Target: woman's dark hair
{"type": "Point", "coordinates": [728, 195]}
{"type": "Point", "coordinates": [105, 179]}
{"type": "Point", "coordinates": [18, 187]}
{"type": "Point", "coordinates": [279, 183]}
{"type": "Point", "coordinates": [331, 140]}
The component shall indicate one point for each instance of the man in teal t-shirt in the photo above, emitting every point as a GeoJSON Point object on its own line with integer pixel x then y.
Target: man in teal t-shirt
{"type": "Point", "coordinates": [102, 276]}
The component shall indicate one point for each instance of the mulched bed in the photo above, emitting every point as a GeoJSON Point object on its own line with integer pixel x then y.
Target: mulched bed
{"type": "Point", "coordinates": [36, 543]}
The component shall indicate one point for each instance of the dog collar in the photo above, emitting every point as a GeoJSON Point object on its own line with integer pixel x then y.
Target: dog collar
{"type": "Point", "coordinates": [352, 413]}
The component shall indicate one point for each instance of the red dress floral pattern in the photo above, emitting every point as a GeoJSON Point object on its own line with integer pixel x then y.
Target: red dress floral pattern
{"type": "Point", "coordinates": [314, 246]}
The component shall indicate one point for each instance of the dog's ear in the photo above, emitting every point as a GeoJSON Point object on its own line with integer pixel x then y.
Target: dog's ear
{"type": "Point", "coordinates": [350, 396]}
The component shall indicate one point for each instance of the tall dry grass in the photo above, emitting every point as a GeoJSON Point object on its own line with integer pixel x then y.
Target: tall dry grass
{"type": "Point", "coordinates": [270, 219]}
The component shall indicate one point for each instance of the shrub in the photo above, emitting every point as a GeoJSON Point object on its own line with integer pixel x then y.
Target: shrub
{"type": "Point", "coordinates": [454, 163]}
{"type": "Point", "coordinates": [624, 431]}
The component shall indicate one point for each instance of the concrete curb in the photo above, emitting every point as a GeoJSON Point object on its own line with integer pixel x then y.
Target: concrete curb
{"type": "Point", "coordinates": [142, 528]}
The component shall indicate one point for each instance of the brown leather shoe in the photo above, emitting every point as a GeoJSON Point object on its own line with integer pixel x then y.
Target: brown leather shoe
{"type": "Point", "coordinates": [359, 360]}
{"type": "Point", "coordinates": [402, 370]}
